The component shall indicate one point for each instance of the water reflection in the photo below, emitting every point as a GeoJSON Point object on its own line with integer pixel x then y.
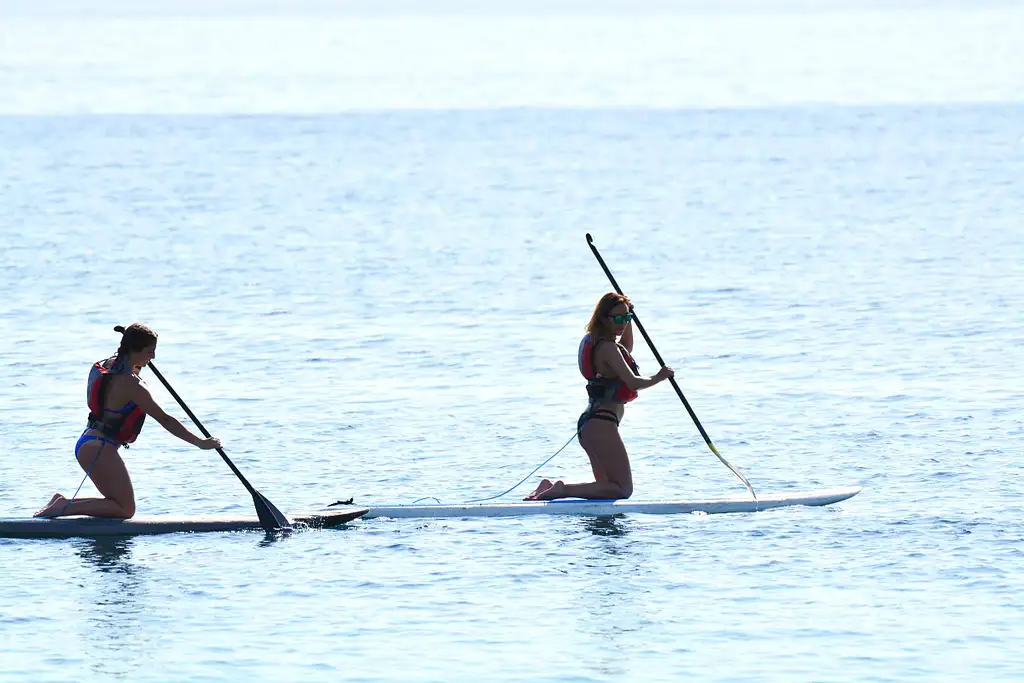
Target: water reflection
{"type": "Point", "coordinates": [115, 634]}
{"type": "Point", "coordinates": [109, 554]}
{"type": "Point", "coordinates": [611, 596]}
{"type": "Point", "coordinates": [272, 537]}
{"type": "Point", "coordinates": [607, 526]}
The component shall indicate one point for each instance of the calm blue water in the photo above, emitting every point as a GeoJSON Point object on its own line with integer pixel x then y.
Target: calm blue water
{"type": "Point", "coordinates": [363, 248]}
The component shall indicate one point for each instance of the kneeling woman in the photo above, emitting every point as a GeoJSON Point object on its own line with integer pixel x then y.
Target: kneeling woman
{"type": "Point", "coordinates": [613, 380]}
{"type": "Point", "coordinates": [118, 405]}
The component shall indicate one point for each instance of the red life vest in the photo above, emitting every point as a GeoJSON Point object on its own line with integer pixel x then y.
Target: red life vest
{"type": "Point", "coordinates": [604, 389]}
{"type": "Point", "coordinates": [125, 424]}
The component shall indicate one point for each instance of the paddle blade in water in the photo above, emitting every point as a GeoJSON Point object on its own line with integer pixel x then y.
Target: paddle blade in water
{"type": "Point", "coordinates": [271, 518]}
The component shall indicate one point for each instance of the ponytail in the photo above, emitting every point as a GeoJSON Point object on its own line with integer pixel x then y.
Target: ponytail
{"type": "Point", "coordinates": [135, 338]}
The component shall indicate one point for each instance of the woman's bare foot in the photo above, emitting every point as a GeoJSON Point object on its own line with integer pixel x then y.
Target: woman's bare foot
{"type": "Point", "coordinates": [544, 485]}
{"type": "Point", "coordinates": [54, 507]}
{"type": "Point", "coordinates": [556, 490]}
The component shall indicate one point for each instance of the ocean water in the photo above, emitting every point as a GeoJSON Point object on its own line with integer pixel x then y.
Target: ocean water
{"type": "Point", "coordinates": [361, 234]}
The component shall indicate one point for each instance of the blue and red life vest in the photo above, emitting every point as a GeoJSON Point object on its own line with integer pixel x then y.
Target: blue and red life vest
{"type": "Point", "coordinates": [604, 389]}
{"type": "Point", "coordinates": [126, 423]}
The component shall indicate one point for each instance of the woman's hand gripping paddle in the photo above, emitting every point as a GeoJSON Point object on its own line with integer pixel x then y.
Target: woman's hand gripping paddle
{"type": "Point", "coordinates": [679, 392]}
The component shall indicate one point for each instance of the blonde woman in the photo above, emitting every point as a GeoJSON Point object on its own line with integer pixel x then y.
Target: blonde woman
{"type": "Point", "coordinates": [613, 380]}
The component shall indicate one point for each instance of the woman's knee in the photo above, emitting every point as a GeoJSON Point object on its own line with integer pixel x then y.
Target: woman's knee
{"type": "Point", "coordinates": [125, 501]}
{"type": "Point", "coordinates": [120, 509]}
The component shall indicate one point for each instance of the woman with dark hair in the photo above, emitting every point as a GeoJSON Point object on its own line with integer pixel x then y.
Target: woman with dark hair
{"type": "Point", "coordinates": [118, 405]}
{"type": "Point", "coordinates": [613, 380]}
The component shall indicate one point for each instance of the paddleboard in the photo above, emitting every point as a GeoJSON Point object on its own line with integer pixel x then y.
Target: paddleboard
{"type": "Point", "coordinates": [576, 506]}
{"type": "Point", "coordinates": [77, 526]}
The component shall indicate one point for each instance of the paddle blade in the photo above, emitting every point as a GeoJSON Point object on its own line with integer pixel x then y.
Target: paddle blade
{"type": "Point", "coordinates": [270, 517]}
{"type": "Point", "coordinates": [734, 470]}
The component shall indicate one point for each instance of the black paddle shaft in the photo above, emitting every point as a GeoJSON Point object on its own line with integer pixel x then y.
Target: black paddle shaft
{"type": "Point", "coordinates": [270, 517]}
{"type": "Point", "coordinates": [672, 380]}
{"type": "Point", "coordinates": [647, 338]}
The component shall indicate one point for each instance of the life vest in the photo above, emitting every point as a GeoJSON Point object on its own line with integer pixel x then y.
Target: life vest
{"type": "Point", "coordinates": [604, 389]}
{"type": "Point", "coordinates": [125, 424]}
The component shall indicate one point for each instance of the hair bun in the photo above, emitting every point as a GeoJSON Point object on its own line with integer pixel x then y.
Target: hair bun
{"type": "Point", "coordinates": [119, 328]}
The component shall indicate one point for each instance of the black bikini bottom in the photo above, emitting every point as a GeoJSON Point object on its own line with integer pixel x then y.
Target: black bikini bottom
{"type": "Point", "coordinates": [599, 414]}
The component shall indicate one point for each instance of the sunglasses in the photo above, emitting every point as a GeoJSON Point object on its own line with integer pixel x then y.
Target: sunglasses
{"type": "Point", "coordinates": [621, 319]}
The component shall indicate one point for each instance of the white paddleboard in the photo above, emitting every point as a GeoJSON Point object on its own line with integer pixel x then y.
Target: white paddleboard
{"type": "Point", "coordinates": [576, 506]}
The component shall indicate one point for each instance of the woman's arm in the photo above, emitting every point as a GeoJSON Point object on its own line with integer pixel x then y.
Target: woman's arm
{"type": "Point", "coordinates": [609, 353]}
{"type": "Point", "coordinates": [144, 400]}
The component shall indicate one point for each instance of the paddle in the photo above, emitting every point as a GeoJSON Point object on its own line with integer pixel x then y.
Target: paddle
{"type": "Point", "coordinates": [679, 392]}
{"type": "Point", "coordinates": [270, 517]}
